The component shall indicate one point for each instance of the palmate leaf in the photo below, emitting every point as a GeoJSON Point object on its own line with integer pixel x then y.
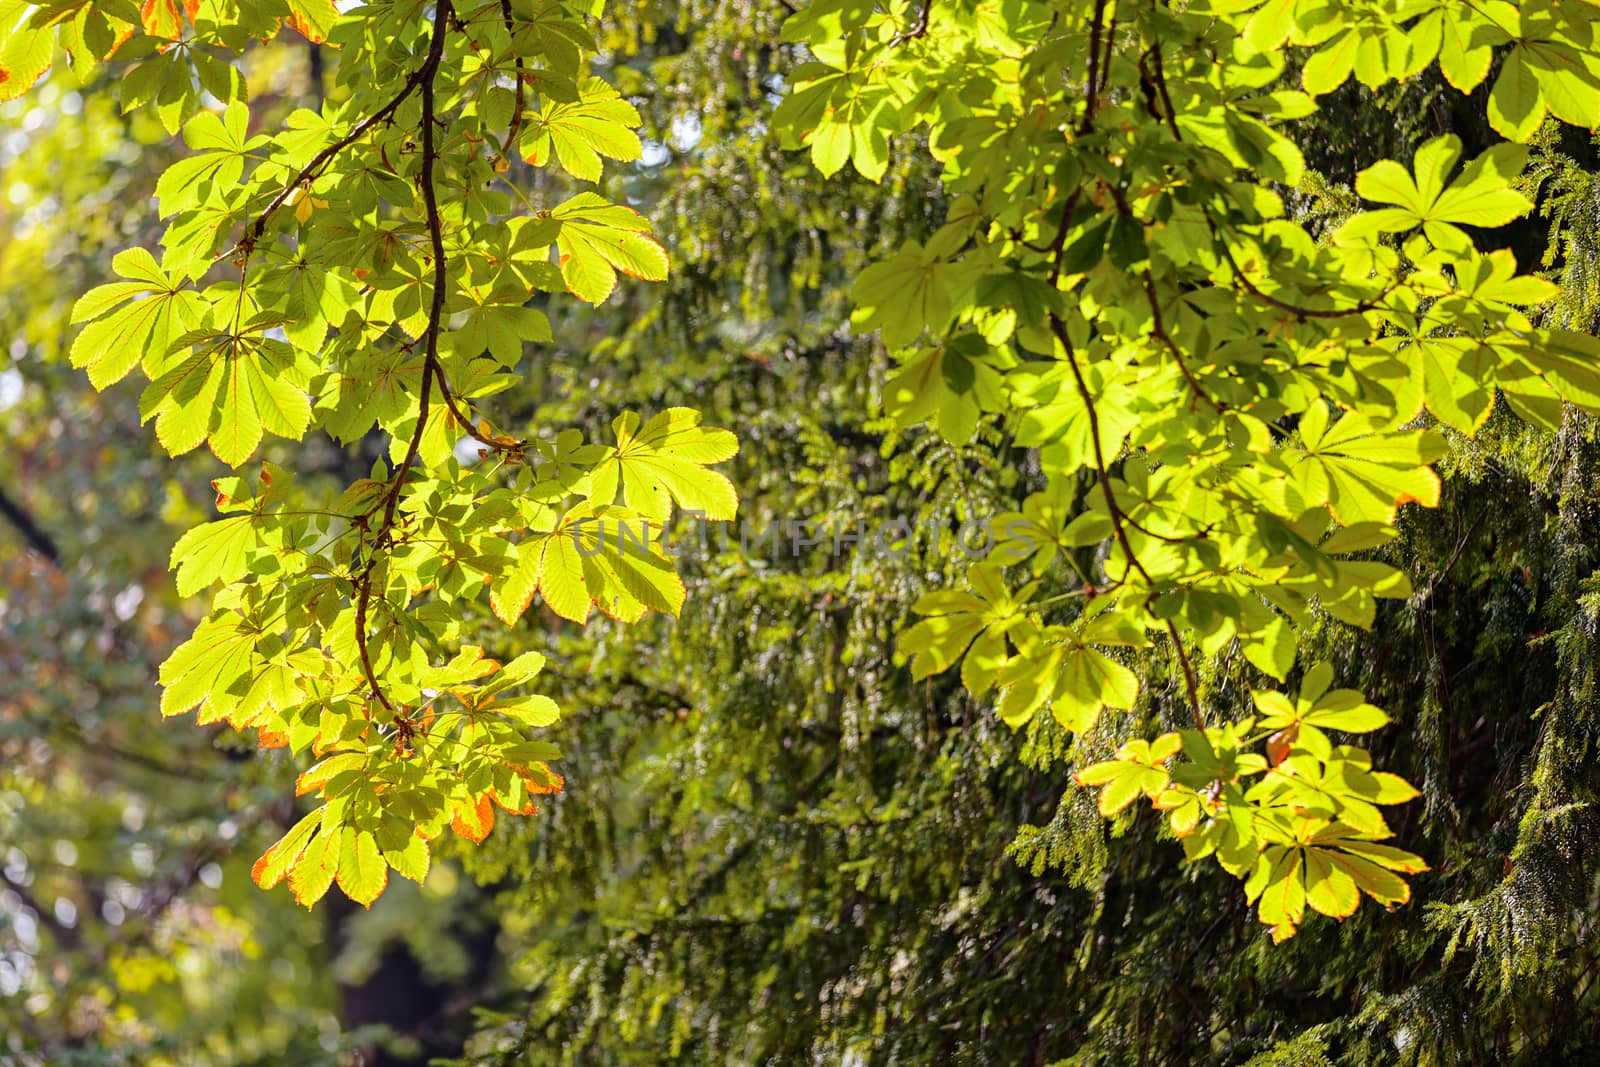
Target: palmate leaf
{"type": "Point", "coordinates": [229, 670]}
{"type": "Point", "coordinates": [597, 239]}
{"type": "Point", "coordinates": [905, 294]}
{"type": "Point", "coordinates": [1362, 473]}
{"type": "Point", "coordinates": [1481, 196]}
{"type": "Point", "coordinates": [372, 387]}
{"type": "Point", "coordinates": [229, 392]}
{"type": "Point", "coordinates": [132, 321]}
{"type": "Point", "coordinates": [1138, 768]}
{"type": "Point", "coordinates": [1328, 782]}
{"type": "Point", "coordinates": [1066, 671]}
{"type": "Point", "coordinates": [664, 461]}
{"type": "Point", "coordinates": [346, 843]}
{"type": "Point", "coordinates": [599, 123]}
{"type": "Point", "coordinates": [1317, 708]}
{"type": "Point", "coordinates": [220, 146]}
{"type": "Point", "coordinates": [971, 627]}
{"type": "Point", "coordinates": [313, 18]}
{"type": "Point", "coordinates": [952, 385]}
{"type": "Point", "coordinates": [593, 558]}
{"type": "Point", "coordinates": [1328, 866]}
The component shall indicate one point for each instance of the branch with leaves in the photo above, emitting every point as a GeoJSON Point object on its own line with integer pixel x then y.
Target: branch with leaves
{"type": "Point", "coordinates": [1225, 456]}
{"type": "Point", "coordinates": [388, 273]}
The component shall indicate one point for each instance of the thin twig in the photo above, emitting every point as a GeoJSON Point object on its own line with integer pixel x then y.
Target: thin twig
{"type": "Point", "coordinates": [1159, 329]}
{"type": "Point", "coordinates": [918, 28]}
{"type": "Point", "coordinates": [516, 111]}
{"type": "Point", "coordinates": [1188, 677]}
{"type": "Point", "coordinates": [430, 360]}
{"type": "Point", "coordinates": [1102, 473]}
{"type": "Point", "coordinates": [1159, 76]}
{"type": "Point", "coordinates": [1091, 93]}
{"type": "Point", "coordinates": [1369, 304]}
{"type": "Point", "coordinates": [1092, 90]}
{"type": "Point", "coordinates": [320, 161]}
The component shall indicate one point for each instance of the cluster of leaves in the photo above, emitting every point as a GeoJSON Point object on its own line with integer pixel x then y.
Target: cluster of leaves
{"type": "Point", "coordinates": [844, 831]}
{"type": "Point", "coordinates": [1222, 405]}
{"type": "Point", "coordinates": [1229, 411]}
{"type": "Point", "coordinates": [370, 268]}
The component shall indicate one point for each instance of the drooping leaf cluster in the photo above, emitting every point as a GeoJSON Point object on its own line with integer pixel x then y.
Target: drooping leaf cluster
{"type": "Point", "coordinates": [1225, 407]}
{"type": "Point", "coordinates": [369, 268]}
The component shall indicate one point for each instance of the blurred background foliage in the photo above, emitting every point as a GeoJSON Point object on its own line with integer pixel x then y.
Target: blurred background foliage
{"type": "Point", "coordinates": [773, 847]}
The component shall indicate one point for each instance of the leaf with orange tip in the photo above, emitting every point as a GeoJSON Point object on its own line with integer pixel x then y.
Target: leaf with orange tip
{"type": "Point", "coordinates": [314, 779]}
{"type": "Point", "coordinates": [527, 807]}
{"type": "Point", "coordinates": [312, 18]}
{"type": "Point", "coordinates": [275, 862]}
{"type": "Point", "coordinates": [474, 819]}
{"type": "Point", "coordinates": [541, 779]}
{"type": "Point", "coordinates": [313, 872]}
{"type": "Point", "coordinates": [165, 18]}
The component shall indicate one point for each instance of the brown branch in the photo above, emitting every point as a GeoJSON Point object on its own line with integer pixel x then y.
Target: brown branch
{"type": "Point", "coordinates": [1159, 77]}
{"type": "Point", "coordinates": [1059, 243]}
{"type": "Point", "coordinates": [1091, 90]}
{"type": "Point", "coordinates": [1159, 329]}
{"type": "Point", "coordinates": [1188, 677]}
{"type": "Point", "coordinates": [516, 112]}
{"type": "Point", "coordinates": [67, 935]}
{"type": "Point", "coordinates": [1370, 304]}
{"type": "Point", "coordinates": [1102, 474]}
{"type": "Point", "coordinates": [106, 750]}
{"type": "Point", "coordinates": [1117, 517]}
{"type": "Point", "coordinates": [918, 28]}
{"type": "Point", "coordinates": [1105, 60]}
{"type": "Point", "coordinates": [1455, 557]}
{"type": "Point", "coordinates": [382, 536]}
{"type": "Point", "coordinates": [1093, 87]}
{"type": "Point", "coordinates": [319, 162]}
{"type": "Point", "coordinates": [32, 533]}
{"type": "Point", "coordinates": [1170, 539]}
{"type": "Point", "coordinates": [450, 402]}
